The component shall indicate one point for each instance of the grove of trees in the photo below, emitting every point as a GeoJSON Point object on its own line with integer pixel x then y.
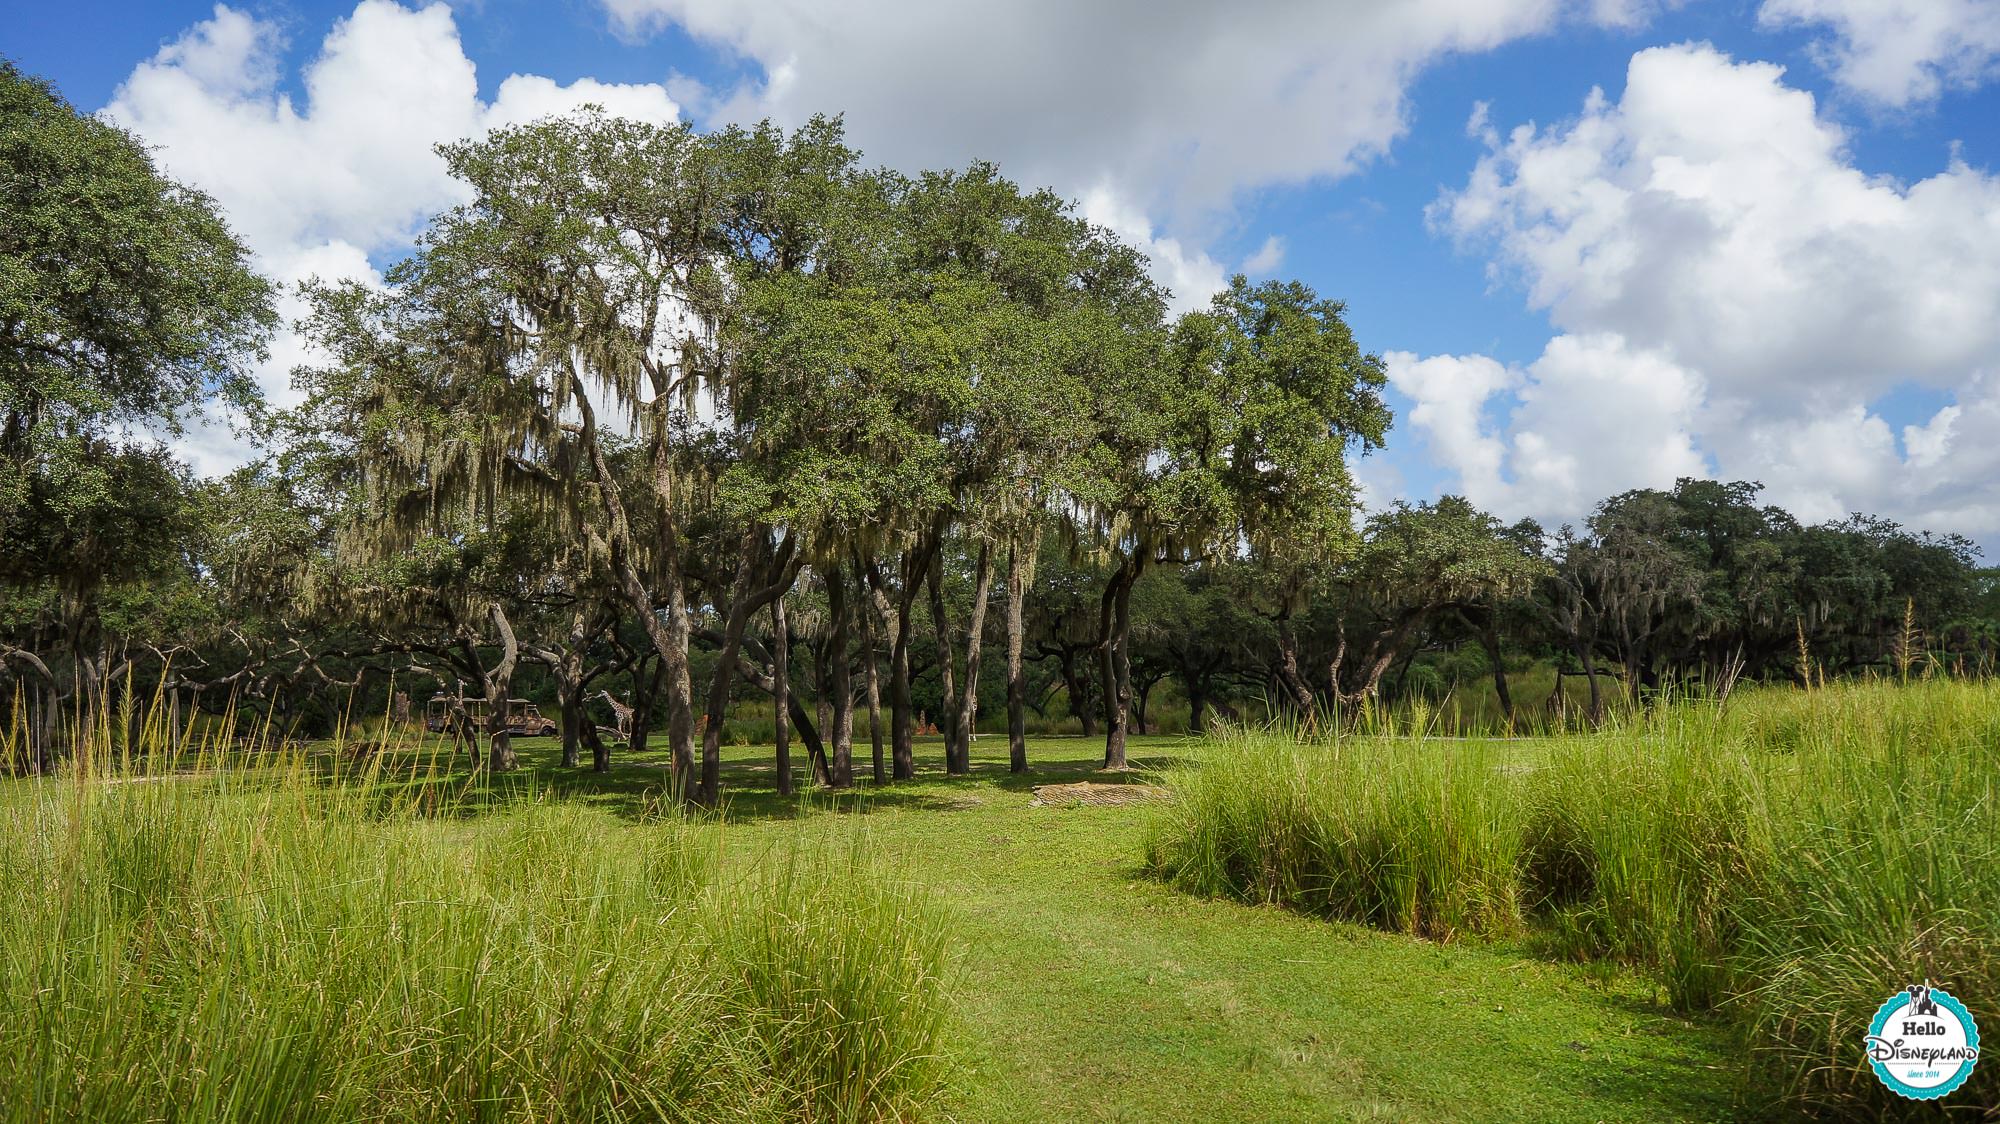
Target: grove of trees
{"type": "Point", "coordinates": [728, 424]}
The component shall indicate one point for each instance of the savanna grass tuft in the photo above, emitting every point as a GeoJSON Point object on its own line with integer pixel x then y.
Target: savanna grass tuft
{"type": "Point", "coordinates": [263, 945]}
{"type": "Point", "coordinates": [1787, 864]}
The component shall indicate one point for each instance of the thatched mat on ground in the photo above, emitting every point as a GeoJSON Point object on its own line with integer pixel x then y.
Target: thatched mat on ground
{"type": "Point", "coordinates": [1066, 795]}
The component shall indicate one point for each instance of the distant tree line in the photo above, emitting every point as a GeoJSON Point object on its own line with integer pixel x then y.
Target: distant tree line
{"type": "Point", "coordinates": [728, 421]}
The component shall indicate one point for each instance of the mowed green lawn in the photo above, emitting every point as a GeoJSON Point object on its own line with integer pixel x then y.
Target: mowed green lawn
{"type": "Point", "coordinates": [1092, 992]}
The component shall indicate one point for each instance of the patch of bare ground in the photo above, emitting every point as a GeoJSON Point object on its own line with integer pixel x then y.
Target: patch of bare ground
{"type": "Point", "coordinates": [1086, 792]}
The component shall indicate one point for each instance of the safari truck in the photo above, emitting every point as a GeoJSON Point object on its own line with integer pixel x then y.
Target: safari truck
{"type": "Point", "coordinates": [524, 719]}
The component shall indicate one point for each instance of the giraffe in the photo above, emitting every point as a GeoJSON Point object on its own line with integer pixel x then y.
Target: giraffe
{"type": "Point", "coordinates": [622, 714]}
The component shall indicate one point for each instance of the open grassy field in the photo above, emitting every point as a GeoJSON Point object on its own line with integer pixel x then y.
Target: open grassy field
{"type": "Point", "coordinates": [1661, 921]}
{"type": "Point", "coordinates": [1077, 985]}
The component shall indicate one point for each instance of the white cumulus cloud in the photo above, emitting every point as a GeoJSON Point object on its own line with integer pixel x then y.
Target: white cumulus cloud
{"type": "Point", "coordinates": [1172, 108]}
{"type": "Point", "coordinates": [1896, 52]}
{"type": "Point", "coordinates": [1267, 259]}
{"type": "Point", "coordinates": [1590, 417]}
{"type": "Point", "coordinates": [1733, 296]}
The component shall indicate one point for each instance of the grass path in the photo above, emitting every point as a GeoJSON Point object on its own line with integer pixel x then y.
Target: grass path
{"type": "Point", "coordinates": [1094, 993]}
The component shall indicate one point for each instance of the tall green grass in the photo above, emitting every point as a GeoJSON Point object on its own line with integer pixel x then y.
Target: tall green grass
{"type": "Point", "coordinates": [262, 944]}
{"type": "Point", "coordinates": [1788, 864]}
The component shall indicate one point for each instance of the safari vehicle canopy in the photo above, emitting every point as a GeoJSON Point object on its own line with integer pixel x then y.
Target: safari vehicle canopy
{"type": "Point", "coordinates": [524, 719]}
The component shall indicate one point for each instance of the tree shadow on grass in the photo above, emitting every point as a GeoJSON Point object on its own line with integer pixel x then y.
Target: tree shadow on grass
{"type": "Point", "coordinates": [638, 787]}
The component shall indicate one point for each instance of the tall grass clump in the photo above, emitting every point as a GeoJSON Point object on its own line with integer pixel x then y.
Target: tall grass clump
{"type": "Point", "coordinates": [1331, 829]}
{"type": "Point", "coordinates": [1788, 864]}
{"type": "Point", "coordinates": [1881, 868]}
{"type": "Point", "coordinates": [266, 945]}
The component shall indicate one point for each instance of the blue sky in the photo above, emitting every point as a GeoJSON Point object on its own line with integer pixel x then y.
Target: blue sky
{"type": "Point", "coordinates": [1703, 273]}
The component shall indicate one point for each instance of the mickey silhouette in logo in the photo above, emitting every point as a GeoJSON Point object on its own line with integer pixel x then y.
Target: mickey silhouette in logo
{"type": "Point", "coordinates": [1921, 1002]}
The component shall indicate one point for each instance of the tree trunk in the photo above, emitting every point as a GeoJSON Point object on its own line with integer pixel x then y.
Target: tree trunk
{"type": "Point", "coordinates": [871, 669]}
{"type": "Point", "coordinates": [1381, 653]}
{"type": "Point", "coordinates": [678, 688]}
{"type": "Point", "coordinates": [1124, 670]}
{"type": "Point", "coordinates": [464, 735]}
{"type": "Point", "coordinates": [1637, 667]}
{"type": "Point", "coordinates": [669, 638]}
{"type": "Point", "coordinates": [569, 696]}
{"type": "Point", "coordinates": [1017, 682]}
{"type": "Point", "coordinates": [902, 754]}
{"type": "Point", "coordinates": [1288, 669]}
{"type": "Point", "coordinates": [600, 753]}
{"type": "Point", "coordinates": [88, 696]}
{"type": "Point", "coordinates": [710, 791]}
{"type": "Point", "coordinates": [500, 756]}
{"type": "Point", "coordinates": [573, 685]}
{"type": "Point", "coordinates": [45, 751]}
{"type": "Point", "coordinates": [1114, 656]}
{"type": "Point", "coordinates": [499, 687]}
{"type": "Point", "coordinates": [975, 632]}
{"type": "Point", "coordinates": [1076, 684]}
{"type": "Point", "coordinates": [911, 570]}
{"type": "Point", "coordinates": [801, 722]}
{"type": "Point", "coordinates": [1114, 726]}
{"type": "Point", "coordinates": [55, 732]}
{"type": "Point", "coordinates": [947, 683]}
{"type": "Point", "coordinates": [1489, 638]}
{"type": "Point", "coordinates": [815, 746]}
{"type": "Point", "coordinates": [841, 686]}
{"type": "Point", "coordinates": [1596, 713]}
{"type": "Point", "coordinates": [645, 692]}
{"type": "Point", "coordinates": [781, 693]}
{"type": "Point", "coordinates": [822, 694]}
